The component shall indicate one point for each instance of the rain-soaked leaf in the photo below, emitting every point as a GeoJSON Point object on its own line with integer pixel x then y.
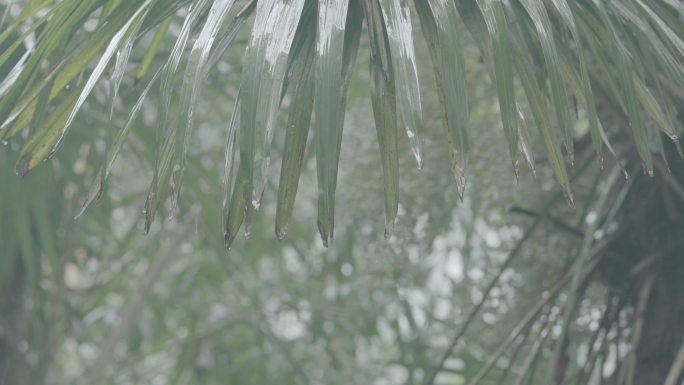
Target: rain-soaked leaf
{"type": "Point", "coordinates": [598, 136]}
{"type": "Point", "coordinates": [542, 24]}
{"type": "Point", "coordinates": [153, 49]}
{"type": "Point", "coordinates": [336, 33]}
{"type": "Point", "coordinates": [626, 75]}
{"type": "Point", "coordinates": [299, 118]}
{"type": "Point", "coordinates": [384, 102]}
{"type": "Point", "coordinates": [167, 127]}
{"type": "Point", "coordinates": [193, 79]}
{"type": "Point", "coordinates": [50, 140]}
{"type": "Point", "coordinates": [384, 109]}
{"type": "Point", "coordinates": [262, 82]}
{"type": "Point", "coordinates": [113, 150]}
{"type": "Point", "coordinates": [234, 205]}
{"type": "Point", "coordinates": [440, 27]}
{"type": "Point", "coordinates": [539, 110]}
{"type": "Point", "coordinates": [397, 17]}
{"type": "Point", "coordinates": [497, 27]}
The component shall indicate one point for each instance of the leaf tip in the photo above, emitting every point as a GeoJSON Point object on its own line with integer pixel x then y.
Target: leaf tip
{"type": "Point", "coordinates": [228, 239]}
{"type": "Point", "coordinates": [149, 211]}
{"type": "Point", "coordinates": [389, 229]}
{"type": "Point", "coordinates": [326, 236]}
{"type": "Point", "coordinates": [516, 169]}
{"type": "Point", "coordinates": [461, 181]}
{"type": "Point", "coordinates": [281, 232]}
{"type": "Point", "coordinates": [417, 154]}
{"type": "Point", "coordinates": [248, 229]}
{"type": "Point", "coordinates": [569, 198]}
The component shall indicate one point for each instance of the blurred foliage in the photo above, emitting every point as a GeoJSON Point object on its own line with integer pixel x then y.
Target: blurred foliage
{"type": "Point", "coordinates": [94, 301]}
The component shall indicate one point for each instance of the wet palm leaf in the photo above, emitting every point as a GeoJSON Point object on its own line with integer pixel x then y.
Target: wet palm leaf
{"type": "Point", "coordinates": [630, 51]}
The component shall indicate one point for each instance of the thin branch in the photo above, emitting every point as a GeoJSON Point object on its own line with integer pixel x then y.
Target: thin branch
{"type": "Point", "coordinates": [473, 313]}
{"type": "Point", "coordinates": [511, 256]}
{"type": "Point", "coordinates": [536, 348]}
{"type": "Point", "coordinates": [677, 367]}
{"type": "Point", "coordinates": [578, 275]}
{"type": "Point", "coordinates": [558, 223]}
{"type": "Point", "coordinates": [529, 318]}
{"type": "Point", "coordinates": [644, 295]}
{"type": "Point", "coordinates": [513, 356]}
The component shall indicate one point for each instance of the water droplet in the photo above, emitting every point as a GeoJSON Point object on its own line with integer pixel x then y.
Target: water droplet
{"type": "Point", "coordinates": [516, 169]}
{"type": "Point", "coordinates": [248, 228]}
{"type": "Point", "coordinates": [281, 232]}
{"type": "Point", "coordinates": [324, 233]}
{"type": "Point", "coordinates": [569, 198]}
{"type": "Point", "coordinates": [460, 174]}
{"type": "Point", "coordinates": [418, 157]}
{"type": "Point", "coordinates": [227, 239]}
{"type": "Point", "coordinates": [389, 229]}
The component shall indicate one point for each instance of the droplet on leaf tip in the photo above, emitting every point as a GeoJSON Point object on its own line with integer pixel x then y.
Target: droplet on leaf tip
{"type": "Point", "coordinates": [22, 168]}
{"type": "Point", "coordinates": [281, 232]}
{"type": "Point", "coordinates": [227, 239]}
{"type": "Point", "coordinates": [461, 180]}
{"type": "Point", "coordinates": [419, 158]}
{"type": "Point", "coordinates": [389, 229]}
{"type": "Point", "coordinates": [569, 198]}
{"type": "Point", "coordinates": [516, 169]}
{"type": "Point", "coordinates": [324, 233]}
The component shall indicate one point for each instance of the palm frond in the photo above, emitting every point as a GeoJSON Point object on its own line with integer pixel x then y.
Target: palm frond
{"type": "Point", "coordinates": [625, 53]}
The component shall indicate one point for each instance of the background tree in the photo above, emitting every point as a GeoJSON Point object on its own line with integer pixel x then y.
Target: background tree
{"type": "Point", "coordinates": [617, 63]}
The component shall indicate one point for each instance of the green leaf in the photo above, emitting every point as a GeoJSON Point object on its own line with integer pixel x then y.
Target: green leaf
{"type": "Point", "coordinates": [536, 101]}
{"type": "Point", "coordinates": [497, 26]}
{"type": "Point", "coordinates": [113, 150]}
{"type": "Point", "coordinates": [153, 49]}
{"type": "Point", "coordinates": [385, 111]}
{"type": "Point", "coordinates": [540, 19]}
{"type": "Point", "coordinates": [52, 138]}
{"type": "Point", "coordinates": [336, 33]}
{"type": "Point", "coordinates": [193, 79]}
{"type": "Point", "coordinates": [626, 75]}
{"type": "Point", "coordinates": [397, 16]}
{"type": "Point", "coordinates": [597, 133]}
{"type": "Point", "coordinates": [441, 30]}
{"type": "Point", "coordinates": [167, 128]}
{"type": "Point", "coordinates": [262, 84]}
{"type": "Point", "coordinates": [299, 119]}
{"type": "Point", "coordinates": [234, 203]}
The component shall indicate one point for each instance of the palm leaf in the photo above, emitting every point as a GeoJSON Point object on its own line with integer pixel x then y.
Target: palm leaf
{"type": "Point", "coordinates": [627, 53]}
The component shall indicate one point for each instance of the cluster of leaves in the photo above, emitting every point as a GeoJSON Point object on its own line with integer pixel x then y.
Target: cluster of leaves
{"type": "Point", "coordinates": [561, 52]}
